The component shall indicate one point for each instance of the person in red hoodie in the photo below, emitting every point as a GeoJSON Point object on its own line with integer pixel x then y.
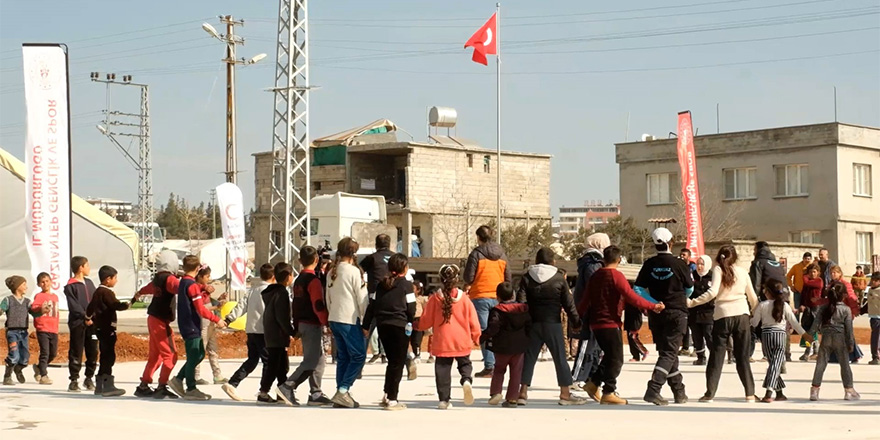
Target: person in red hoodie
{"type": "Point", "coordinates": [607, 292]}
{"type": "Point", "coordinates": [47, 328]}
{"type": "Point", "coordinates": [811, 299]}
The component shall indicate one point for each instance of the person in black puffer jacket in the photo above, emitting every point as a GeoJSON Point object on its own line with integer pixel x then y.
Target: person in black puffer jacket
{"type": "Point", "coordinates": [586, 360]}
{"type": "Point", "coordinates": [546, 292]}
{"type": "Point", "coordinates": [700, 318]}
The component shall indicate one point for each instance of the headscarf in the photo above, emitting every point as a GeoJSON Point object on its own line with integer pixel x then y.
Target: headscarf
{"type": "Point", "coordinates": [707, 265]}
{"type": "Point", "coordinates": [598, 241]}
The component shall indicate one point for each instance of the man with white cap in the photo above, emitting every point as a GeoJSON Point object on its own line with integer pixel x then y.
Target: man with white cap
{"type": "Point", "coordinates": [666, 278]}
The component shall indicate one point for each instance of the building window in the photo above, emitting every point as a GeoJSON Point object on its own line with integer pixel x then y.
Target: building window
{"type": "Point", "coordinates": [661, 187]}
{"type": "Point", "coordinates": [470, 159]}
{"type": "Point", "coordinates": [862, 179]}
{"type": "Point", "coordinates": [864, 248]}
{"type": "Point", "coordinates": [278, 177]}
{"type": "Point", "coordinates": [486, 161]}
{"type": "Point", "coordinates": [792, 180]}
{"type": "Point", "coordinates": [276, 240]}
{"type": "Point", "coordinates": [813, 237]}
{"type": "Point", "coordinates": [317, 186]}
{"type": "Point", "coordinates": [739, 183]}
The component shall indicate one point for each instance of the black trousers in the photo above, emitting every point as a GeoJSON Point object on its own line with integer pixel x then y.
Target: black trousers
{"type": "Point", "coordinates": [48, 350]}
{"type": "Point", "coordinates": [415, 340]}
{"type": "Point", "coordinates": [443, 374]}
{"type": "Point", "coordinates": [702, 338]}
{"type": "Point", "coordinates": [395, 341]}
{"type": "Point", "coordinates": [256, 353]}
{"type": "Point", "coordinates": [82, 338]}
{"type": "Point", "coordinates": [686, 339]}
{"type": "Point", "coordinates": [611, 343]}
{"type": "Point", "coordinates": [107, 342]}
{"type": "Point", "coordinates": [740, 330]}
{"type": "Point", "coordinates": [667, 328]}
{"type": "Point", "coordinates": [276, 368]}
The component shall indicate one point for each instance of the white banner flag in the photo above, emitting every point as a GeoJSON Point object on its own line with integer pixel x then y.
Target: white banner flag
{"type": "Point", "coordinates": [47, 157]}
{"type": "Point", "coordinates": [232, 219]}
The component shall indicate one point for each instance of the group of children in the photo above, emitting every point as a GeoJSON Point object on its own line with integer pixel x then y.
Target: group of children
{"type": "Point", "coordinates": [337, 299]}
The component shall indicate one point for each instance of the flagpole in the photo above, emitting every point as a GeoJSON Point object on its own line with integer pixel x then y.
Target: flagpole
{"type": "Point", "coordinates": [498, 121]}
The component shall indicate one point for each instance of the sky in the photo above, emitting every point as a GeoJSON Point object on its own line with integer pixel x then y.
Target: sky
{"type": "Point", "coordinates": [578, 76]}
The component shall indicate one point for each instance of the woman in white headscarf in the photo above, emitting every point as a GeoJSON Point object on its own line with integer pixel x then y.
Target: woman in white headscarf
{"type": "Point", "coordinates": [588, 352]}
{"type": "Point", "coordinates": [700, 318]}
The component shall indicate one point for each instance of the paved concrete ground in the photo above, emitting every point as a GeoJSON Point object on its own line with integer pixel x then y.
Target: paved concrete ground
{"type": "Point", "coordinates": [49, 412]}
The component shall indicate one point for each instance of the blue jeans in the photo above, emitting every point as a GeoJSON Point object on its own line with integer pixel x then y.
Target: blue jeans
{"type": "Point", "coordinates": [17, 341]}
{"type": "Point", "coordinates": [351, 352]}
{"type": "Point", "coordinates": [483, 305]}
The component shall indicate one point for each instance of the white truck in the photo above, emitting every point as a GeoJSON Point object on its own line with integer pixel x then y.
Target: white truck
{"type": "Point", "coordinates": [339, 215]}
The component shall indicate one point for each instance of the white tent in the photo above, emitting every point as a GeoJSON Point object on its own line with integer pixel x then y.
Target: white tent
{"type": "Point", "coordinates": [96, 235]}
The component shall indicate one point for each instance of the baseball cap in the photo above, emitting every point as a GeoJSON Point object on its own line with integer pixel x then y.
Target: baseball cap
{"type": "Point", "coordinates": [661, 236]}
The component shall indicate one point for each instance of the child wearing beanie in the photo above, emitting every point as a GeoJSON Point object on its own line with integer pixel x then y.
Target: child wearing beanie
{"type": "Point", "coordinates": [17, 309]}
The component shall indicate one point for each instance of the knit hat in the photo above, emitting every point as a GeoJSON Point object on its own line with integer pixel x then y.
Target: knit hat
{"type": "Point", "coordinates": [14, 282]}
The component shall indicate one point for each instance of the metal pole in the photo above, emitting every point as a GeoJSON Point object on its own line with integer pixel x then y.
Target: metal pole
{"type": "Point", "coordinates": [717, 118]}
{"type": "Point", "coordinates": [835, 103]}
{"type": "Point", "coordinates": [498, 121]}
{"type": "Point", "coordinates": [231, 154]}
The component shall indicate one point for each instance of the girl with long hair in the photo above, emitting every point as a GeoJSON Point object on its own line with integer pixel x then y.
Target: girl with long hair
{"type": "Point", "coordinates": [452, 316]}
{"type": "Point", "coordinates": [734, 297]}
{"type": "Point", "coordinates": [834, 321]}
{"type": "Point", "coordinates": [772, 316]}
{"type": "Point", "coordinates": [852, 301]}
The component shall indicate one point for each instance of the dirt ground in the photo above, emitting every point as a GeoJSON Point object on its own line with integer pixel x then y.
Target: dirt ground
{"type": "Point", "coordinates": [232, 345]}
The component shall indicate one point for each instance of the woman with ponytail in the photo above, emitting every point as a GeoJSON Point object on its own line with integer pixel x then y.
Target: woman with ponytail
{"type": "Point", "coordinates": [734, 297]}
{"type": "Point", "coordinates": [456, 332]}
{"type": "Point", "coordinates": [834, 321]}
{"type": "Point", "coordinates": [772, 316]}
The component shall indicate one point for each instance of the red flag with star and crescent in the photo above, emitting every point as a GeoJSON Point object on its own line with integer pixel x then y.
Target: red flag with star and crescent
{"type": "Point", "coordinates": [484, 42]}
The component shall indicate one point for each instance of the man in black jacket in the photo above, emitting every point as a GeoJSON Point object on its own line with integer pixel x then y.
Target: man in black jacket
{"type": "Point", "coordinates": [666, 278]}
{"type": "Point", "coordinates": [375, 266]}
{"type": "Point", "coordinates": [277, 330]}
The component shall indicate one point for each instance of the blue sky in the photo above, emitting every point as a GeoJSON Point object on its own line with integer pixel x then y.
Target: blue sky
{"type": "Point", "coordinates": [573, 70]}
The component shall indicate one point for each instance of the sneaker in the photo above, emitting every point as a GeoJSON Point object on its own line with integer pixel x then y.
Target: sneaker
{"type": "Point", "coordinates": [522, 401]}
{"type": "Point", "coordinates": [266, 398]}
{"type": "Point", "coordinates": [751, 399]}
{"type": "Point", "coordinates": [196, 394]}
{"type": "Point", "coordinates": [344, 400]}
{"type": "Point", "coordinates": [730, 361]}
{"type": "Point", "coordinates": [394, 405]}
{"type": "Point", "coordinates": [680, 397]}
{"type": "Point", "coordinates": [874, 362]}
{"type": "Point", "coordinates": [706, 399]}
{"type": "Point", "coordinates": [7, 380]}
{"type": "Point", "coordinates": [468, 390]}
{"type": "Point", "coordinates": [612, 399]}
{"type": "Point", "coordinates": [572, 400]}
{"type": "Point", "coordinates": [684, 352]}
{"type": "Point", "coordinates": [412, 371]}
{"type": "Point", "coordinates": [373, 359]}
{"type": "Point", "coordinates": [804, 358]}
{"type": "Point", "coordinates": [700, 361]}
{"type": "Point", "coordinates": [487, 372]}
{"type": "Point", "coordinates": [44, 380]}
{"type": "Point", "coordinates": [767, 399]}
{"type": "Point", "coordinates": [202, 382]}
{"type": "Point", "coordinates": [220, 380]}
{"type": "Point", "coordinates": [321, 400]}
{"type": "Point", "coordinates": [496, 399]}
{"type": "Point", "coordinates": [430, 360]}
{"type": "Point", "coordinates": [287, 395]}
{"type": "Point", "coordinates": [509, 404]}
{"type": "Point", "coordinates": [176, 385]}
{"type": "Point", "coordinates": [780, 397]}
{"type": "Point", "coordinates": [752, 360]}
{"type": "Point", "coordinates": [592, 391]}
{"type": "Point", "coordinates": [851, 394]}
{"type": "Point", "coordinates": [37, 375]}
{"type": "Point", "coordinates": [230, 391]}
{"type": "Point", "coordinates": [143, 390]}
{"type": "Point", "coordinates": [656, 399]}
{"type": "Point", "coordinates": [444, 405]}
{"type": "Point", "coordinates": [634, 360]}
{"type": "Point", "coordinates": [89, 384]}
{"type": "Point", "coordinates": [162, 392]}
{"type": "Point", "coordinates": [73, 387]}
{"type": "Point", "coordinates": [814, 357]}
{"type": "Point", "coordinates": [383, 359]}
{"type": "Point", "coordinates": [814, 393]}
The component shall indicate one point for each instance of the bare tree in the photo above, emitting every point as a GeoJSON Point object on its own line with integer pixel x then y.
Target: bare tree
{"type": "Point", "coordinates": [720, 218]}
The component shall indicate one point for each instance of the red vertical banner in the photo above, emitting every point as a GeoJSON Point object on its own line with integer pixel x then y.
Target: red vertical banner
{"type": "Point", "coordinates": [690, 189]}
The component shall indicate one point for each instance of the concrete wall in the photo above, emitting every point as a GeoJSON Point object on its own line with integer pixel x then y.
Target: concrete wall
{"type": "Point", "coordinates": [791, 252]}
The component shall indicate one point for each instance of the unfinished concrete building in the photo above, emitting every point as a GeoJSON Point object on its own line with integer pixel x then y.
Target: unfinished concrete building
{"type": "Point", "coordinates": [441, 190]}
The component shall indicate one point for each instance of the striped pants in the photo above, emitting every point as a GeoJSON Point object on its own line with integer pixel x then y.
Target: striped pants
{"type": "Point", "coordinates": [773, 341]}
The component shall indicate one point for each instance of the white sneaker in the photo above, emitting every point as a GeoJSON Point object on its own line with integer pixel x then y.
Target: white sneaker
{"type": "Point", "coordinates": [444, 405]}
{"type": "Point", "coordinates": [851, 394]}
{"type": "Point", "coordinates": [230, 391]}
{"type": "Point", "coordinates": [496, 399]}
{"type": "Point", "coordinates": [468, 393]}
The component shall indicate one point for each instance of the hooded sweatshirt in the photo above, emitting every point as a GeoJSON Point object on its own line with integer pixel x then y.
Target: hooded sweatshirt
{"type": "Point", "coordinates": [587, 265]}
{"type": "Point", "coordinates": [546, 292]}
{"type": "Point", "coordinates": [277, 326]}
{"type": "Point", "coordinates": [79, 295]}
{"type": "Point", "coordinates": [163, 288]}
{"type": "Point", "coordinates": [252, 305]}
{"type": "Point", "coordinates": [346, 295]}
{"type": "Point", "coordinates": [873, 297]}
{"type": "Point", "coordinates": [764, 268]}
{"type": "Point", "coordinates": [507, 331]}
{"type": "Point", "coordinates": [461, 334]}
{"type": "Point", "coordinates": [486, 268]}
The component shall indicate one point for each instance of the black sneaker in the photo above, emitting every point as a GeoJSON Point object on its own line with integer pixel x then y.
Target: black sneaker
{"type": "Point", "coordinates": [144, 390]}
{"type": "Point", "coordinates": [265, 398]}
{"type": "Point", "coordinates": [74, 387]}
{"type": "Point", "coordinates": [162, 392]}
{"type": "Point", "coordinates": [286, 394]}
{"type": "Point", "coordinates": [89, 384]}
{"type": "Point", "coordinates": [656, 399]}
{"type": "Point", "coordinates": [373, 359]}
{"type": "Point", "coordinates": [320, 401]}
{"type": "Point", "coordinates": [700, 361]}
{"type": "Point", "coordinates": [487, 372]}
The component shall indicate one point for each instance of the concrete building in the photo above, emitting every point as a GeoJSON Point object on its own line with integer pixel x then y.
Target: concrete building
{"type": "Point", "coordinates": [441, 190]}
{"type": "Point", "coordinates": [119, 209]}
{"type": "Point", "coordinates": [806, 184]}
{"type": "Point", "coordinates": [594, 213]}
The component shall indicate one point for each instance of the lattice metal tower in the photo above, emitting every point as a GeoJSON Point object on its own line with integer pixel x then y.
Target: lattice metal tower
{"type": "Point", "coordinates": [137, 125]}
{"type": "Point", "coordinates": [290, 216]}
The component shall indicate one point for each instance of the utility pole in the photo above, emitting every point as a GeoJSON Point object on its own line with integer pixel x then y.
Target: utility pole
{"type": "Point", "coordinates": [137, 125]}
{"type": "Point", "coordinates": [213, 193]}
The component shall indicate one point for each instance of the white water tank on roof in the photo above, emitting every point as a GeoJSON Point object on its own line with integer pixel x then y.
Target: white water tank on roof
{"type": "Point", "coordinates": [442, 117]}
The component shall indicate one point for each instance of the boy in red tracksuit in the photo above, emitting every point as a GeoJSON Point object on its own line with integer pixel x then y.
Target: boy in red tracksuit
{"type": "Point", "coordinates": [47, 328]}
{"type": "Point", "coordinates": [191, 310]}
{"type": "Point", "coordinates": [607, 292]}
{"type": "Point", "coordinates": [160, 315]}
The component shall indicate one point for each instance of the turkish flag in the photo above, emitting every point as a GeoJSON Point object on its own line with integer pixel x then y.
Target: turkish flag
{"type": "Point", "coordinates": [484, 42]}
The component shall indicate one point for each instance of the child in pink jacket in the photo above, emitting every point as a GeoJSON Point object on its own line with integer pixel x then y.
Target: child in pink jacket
{"type": "Point", "coordinates": [456, 332]}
